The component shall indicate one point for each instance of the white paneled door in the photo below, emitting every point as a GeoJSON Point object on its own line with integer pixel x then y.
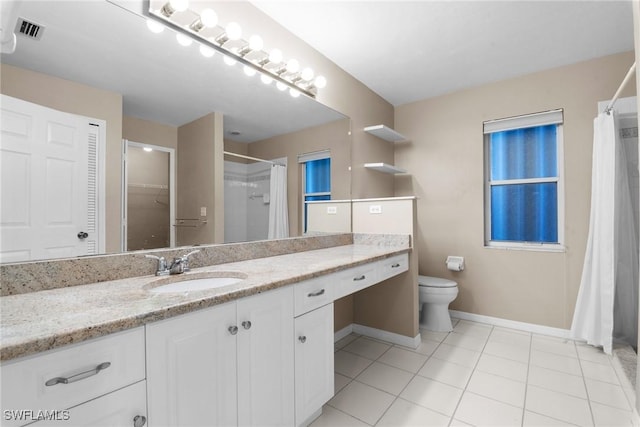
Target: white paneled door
{"type": "Point", "coordinates": [49, 188]}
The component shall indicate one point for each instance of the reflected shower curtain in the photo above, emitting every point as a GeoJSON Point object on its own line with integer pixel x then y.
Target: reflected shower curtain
{"type": "Point", "coordinates": [593, 316]}
{"type": "Point", "coordinates": [278, 207]}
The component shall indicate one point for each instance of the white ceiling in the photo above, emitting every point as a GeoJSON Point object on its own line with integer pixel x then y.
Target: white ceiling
{"type": "Point", "coordinates": [412, 50]}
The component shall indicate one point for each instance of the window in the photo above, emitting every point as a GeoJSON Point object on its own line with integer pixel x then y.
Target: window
{"type": "Point", "coordinates": [523, 181]}
{"type": "Point", "coordinates": [316, 179]}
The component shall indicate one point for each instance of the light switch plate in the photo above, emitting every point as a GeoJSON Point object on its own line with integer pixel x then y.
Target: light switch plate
{"type": "Point", "coordinates": [375, 209]}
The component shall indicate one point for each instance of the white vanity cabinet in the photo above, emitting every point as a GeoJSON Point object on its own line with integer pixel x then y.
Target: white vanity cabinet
{"type": "Point", "coordinates": [97, 382]}
{"type": "Point", "coordinates": [226, 365]}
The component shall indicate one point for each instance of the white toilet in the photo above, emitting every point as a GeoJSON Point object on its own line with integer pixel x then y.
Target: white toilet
{"type": "Point", "coordinates": [435, 296]}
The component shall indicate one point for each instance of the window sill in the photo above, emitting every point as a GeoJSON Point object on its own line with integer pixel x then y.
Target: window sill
{"type": "Point", "coordinates": [526, 247]}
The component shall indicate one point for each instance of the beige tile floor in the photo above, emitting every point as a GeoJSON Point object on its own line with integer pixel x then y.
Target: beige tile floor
{"type": "Point", "coordinates": [477, 375]}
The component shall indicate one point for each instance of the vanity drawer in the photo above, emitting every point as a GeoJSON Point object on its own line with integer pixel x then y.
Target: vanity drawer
{"type": "Point", "coordinates": [355, 279]}
{"type": "Point", "coordinates": [90, 369]}
{"type": "Point", "coordinates": [313, 293]}
{"type": "Point", "coordinates": [393, 266]}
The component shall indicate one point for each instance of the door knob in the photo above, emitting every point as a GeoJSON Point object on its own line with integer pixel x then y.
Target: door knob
{"type": "Point", "coordinates": [83, 235]}
{"type": "Point", "coordinates": [233, 330]}
{"type": "Point", "coordinates": [139, 420]}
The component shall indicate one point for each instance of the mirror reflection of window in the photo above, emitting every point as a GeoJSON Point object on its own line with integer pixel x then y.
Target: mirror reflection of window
{"type": "Point", "coordinates": [317, 182]}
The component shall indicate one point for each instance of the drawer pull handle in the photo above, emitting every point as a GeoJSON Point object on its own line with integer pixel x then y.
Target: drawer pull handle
{"type": "Point", "coordinates": [357, 279]}
{"type": "Point", "coordinates": [246, 324]}
{"type": "Point", "coordinates": [78, 377]}
{"type": "Point", "coordinates": [233, 330]}
{"type": "Point", "coordinates": [396, 265]}
{"type": "Point", "coordinates": [316, 293]}
{"type": "Point", "coordinates": [302, 339]}
{"type": "Point", "coordinates": [139, 421]}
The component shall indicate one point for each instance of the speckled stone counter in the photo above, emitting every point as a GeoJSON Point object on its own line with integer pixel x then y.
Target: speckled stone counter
{"type": "Point", "coordinates": [39, 321]}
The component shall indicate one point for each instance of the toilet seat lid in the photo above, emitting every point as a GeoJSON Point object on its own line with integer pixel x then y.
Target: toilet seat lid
{"type": "Point", "coordinates": [435, 282]}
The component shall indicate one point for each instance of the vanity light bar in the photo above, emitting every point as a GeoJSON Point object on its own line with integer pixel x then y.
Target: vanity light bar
{"type": "Point", "coordinates": [250, 54]}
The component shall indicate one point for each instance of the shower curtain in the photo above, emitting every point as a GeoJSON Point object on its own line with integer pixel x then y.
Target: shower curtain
{"type": "Point", "coordinates": [607, 304]}
{"type": "Point", "coordinates": [593, 316]}
{"type": "Point", "coordinates": [278, 207]}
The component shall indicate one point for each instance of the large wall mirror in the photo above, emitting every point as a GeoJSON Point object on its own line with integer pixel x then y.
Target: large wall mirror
{"type": "Point", "coordinates": [148, 95]}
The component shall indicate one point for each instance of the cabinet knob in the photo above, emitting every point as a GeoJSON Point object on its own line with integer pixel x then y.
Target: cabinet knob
{"type": "Point", "coordinates": [139, 420]}
{"type": "Point", "coordinates": [246, 324]}
{"type": "Point", "coordinates": [233, 330]}
{"type": "Point", "coordinates": [302, 339]}
{"type": "Point", "coordinates": [359, 278]}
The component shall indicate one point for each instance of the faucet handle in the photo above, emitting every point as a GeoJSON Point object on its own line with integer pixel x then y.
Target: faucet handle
{"type": "Point", "coordinates": [162, 269]}
{"type": "Point", "coordinates": [185, 260]}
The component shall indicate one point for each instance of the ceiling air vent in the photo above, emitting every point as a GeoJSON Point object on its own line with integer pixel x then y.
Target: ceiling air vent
{"type": "Point", "coordinates": [29, 29]}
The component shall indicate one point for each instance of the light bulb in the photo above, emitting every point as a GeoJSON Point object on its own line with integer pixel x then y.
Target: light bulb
{"type": "Point", "coordinates": [147, 149]}
{"type": "Point", "coordinates": [174, 6]}
{"type": "Point", "coordinates": [206, 51]}
{"type": "Point", "coordinates": [256, 43]}
{"type": "Point", "coordinates": [154, 27]}
{"type": "Point", "coordinates": [275, 56]}
{"type": "Point", "coordinates": [294, 92]}
{"type": "Point", "coordinates": [233, 30]}
{"type": "Point", "coordinates": [184, 40]}
{"type": "Point", "coordinates": [209, 18]}
{"type": "Point", "coordinates": [266, 79]}
{"type": "Point", "coordinates": [281, 86]}
{"type": "Point", "coordinates": [249, 71]}
{"type": "Point", "coordinates": [307, 74]}
{"type": "Point", "coordinates": [320, 82]}
{"type": "Point", "coordinates": [229, 60]}
{"type": "Point", "coordinates": [293, 66]}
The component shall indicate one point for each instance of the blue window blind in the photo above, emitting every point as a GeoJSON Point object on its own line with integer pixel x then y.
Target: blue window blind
{"type": "Point", "coordinates": [523, 169]}
{"type": "Point", "coordinates": [317, 182]}
{"type": "Point", "coordinates": [318, 176]}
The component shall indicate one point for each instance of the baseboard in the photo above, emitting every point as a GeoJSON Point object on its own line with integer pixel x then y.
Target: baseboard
{"type": "Point", "coordinates": [338, 335]}
{"type": "Point", "coordinates": [512, 324]}
{"type": "Point", "coordinates": [378, 334]}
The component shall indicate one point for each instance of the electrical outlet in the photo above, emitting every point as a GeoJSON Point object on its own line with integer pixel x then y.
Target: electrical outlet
{"type": "Point", "coordinates": [203, 211]}
{"type": "Point", "coordinates": [332, 210]}
{"type": "Point", "coordinates": [375, 209]}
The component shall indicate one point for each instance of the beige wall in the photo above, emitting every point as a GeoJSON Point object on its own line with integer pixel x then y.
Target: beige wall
{"type": "Point", "coordinates": [393, 304]}
{"type": "Point", "coordinates": [333, 136]}
{"type": "Point", "coordinates": [148, 132]}
{"type": "Point", "coordinates": [329, 217]}
{"type": "Point", "coordinates": [71, 97]}
{"type": "Point", "coordinates": [445, 160]}
{"type": "Point", "coordinates": [200, 180]}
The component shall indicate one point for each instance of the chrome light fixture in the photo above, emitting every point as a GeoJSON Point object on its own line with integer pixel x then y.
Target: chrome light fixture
{"type": "Point", "coordinates": [203, 26]}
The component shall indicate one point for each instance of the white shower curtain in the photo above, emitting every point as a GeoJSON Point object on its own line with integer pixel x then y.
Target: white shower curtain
{"type": "Point", "coordinates": [593, 316]}
{"type": "Point", "coordinates": [278, 207]}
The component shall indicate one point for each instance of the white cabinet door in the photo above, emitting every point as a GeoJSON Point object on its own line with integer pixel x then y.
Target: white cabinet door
{"type": "Point", "coordinates": [265, 359]}
{"type": "Point", "coordinates": [313, 361]}
{"type": "Point", "coordinates": [191, 369]}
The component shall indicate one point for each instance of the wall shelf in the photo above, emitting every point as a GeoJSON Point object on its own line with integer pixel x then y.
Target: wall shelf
{"type": "Point", "coordinates": [383, 167]}
{"type": "Point", "coordinates": [386, 133]}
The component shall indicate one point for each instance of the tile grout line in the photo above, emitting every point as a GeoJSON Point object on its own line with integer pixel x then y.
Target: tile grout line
{"type": "Point", "coordinates": [526, 382]}
{"type": "Point", "coordinates": [586, 389]}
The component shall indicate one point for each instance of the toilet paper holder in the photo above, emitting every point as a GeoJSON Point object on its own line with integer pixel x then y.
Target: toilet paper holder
{"type": "Point", "coordinates": [455, 263]}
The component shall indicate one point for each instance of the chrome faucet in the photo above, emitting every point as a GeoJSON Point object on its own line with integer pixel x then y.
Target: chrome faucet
{"type": "Point", "coordinates": [180, 264]}
{"type": "Point", "coordinates": [162, 269]}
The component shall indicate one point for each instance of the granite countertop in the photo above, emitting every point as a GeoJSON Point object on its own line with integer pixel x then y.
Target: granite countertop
{"type": "Point", "coordinates": [39, 321]}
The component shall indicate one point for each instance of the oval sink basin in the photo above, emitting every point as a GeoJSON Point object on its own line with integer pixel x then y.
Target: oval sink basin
{"type": "Point", "coordinates": [195, 282]}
